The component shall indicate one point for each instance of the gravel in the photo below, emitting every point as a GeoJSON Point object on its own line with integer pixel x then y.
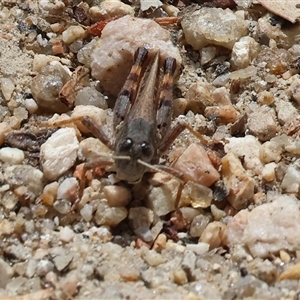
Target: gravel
{"type": "Point", "coordinates": [71, 232]}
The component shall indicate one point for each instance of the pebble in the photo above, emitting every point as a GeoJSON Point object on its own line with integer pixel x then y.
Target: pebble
{"type": "Point", "coordinates": [243, 52]}
{"type": "Point", "coordinates": [272, 150]}
{"type": "Point", "coordinates": [179, 277]}
{"type": "Point", "coordinates": [152, 258]}
{"type": "Point", "coordinates": [162, 195]}
{"type": "Point", "coordinates": [6, 272]}
{"type": "Point", "coordinates": [130, 274]}
{"type": "Point", "coordinates": [125, 35]}
{"type": "Point", "coordinates": [221, 96]}
{"type": "Point", "coordinates": [268, 172]}
{"type": "Point", "coordinates": [4, 129]}
{"type": "Point", "coordinates": [31, 268]}
{"type": "Point", "coordinates": [261, 123]}
{"type": "Point", "coordinates": [207, 54]}
{"type": "Point", "coordinates": [25, 175]}
{"type": "Point", "coordinates": [198, 225]}
{"type": "Point", "coordinates": [7, 87]}
{"type": "Point", "coordinates": [217, 213]}
{"type": "Point", "coordinates": [291, 273]}
{"type": "Point", "coordinates": [49, 194]}
{"type": "Point", "coordinates": [110, 8]}
{"type": "Point", "coordinates": [199, 96]}
{"type": "Point", "coordinates": [58, 154]}
{"type": "Point", "coordinates": [263, 270]}
{"type": "Point", "coordinates": [66, 234]}
{"type": "Point", "coordinates": [62, 260]}
{"type": "Point", "coordinates": [286, 111]}
{"type": "Point", "coordinates": [45, 87]}
{"type": "Point", "coordinates": [87, 212]}
{"type": "Point", "coordinates": [212, 234]}
{"type": "Point", "coordinates": [62, 206]}
{"type": "Point", "coordinates": [213, 26]}
{"type": "Point", "coordinates": [278, 229]}
{"type": "Point", "coordinates": [196, 166]}
{"type": "Point", "coordinates": [68, 189]}
{"type": "Point", "coordinates": [265, 98]}
{"type": "Point", "coordinates": [117, 195]}
{"type": "Point", "coordinates": [110, 216]}
{"type": "Point", "coordinates": [198, 249]}
{"type": "Point", "coordinates": [13, 156]}
{"type": "Point", "coordinates": [239, 184]}
{"type": "Point", "coordinates": [73, 33]}
{"type": "Point", "coordinates": [160, 243]}
{"type": "Point", "coordinates": [223, 115]}
{"type": "Point", "coordinates": [90, 96]}
{"type": "Point", "coordinates": [291, 180]}
{"type": "Point", "coordinates": [247, 147]}
{"type": "Point", "coordinates": [196, 195]}
{"type": "Point", "coordinates": [43, 267]}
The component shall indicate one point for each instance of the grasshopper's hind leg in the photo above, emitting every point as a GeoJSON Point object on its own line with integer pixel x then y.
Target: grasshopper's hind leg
{"type": "Point", "coordinates": [128, 92]}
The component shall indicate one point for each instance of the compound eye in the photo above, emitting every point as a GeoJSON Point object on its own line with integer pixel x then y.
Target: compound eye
{"type": "Point", "coordinates": [146, 149]}
{"type": "Point", "coordinates": [126, 144]}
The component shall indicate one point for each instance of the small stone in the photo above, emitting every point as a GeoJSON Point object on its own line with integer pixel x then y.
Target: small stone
{"type": "Point", "coordinates": [261, 123]}
{"type": "Point", "coordinates": [58, 154]}
{"type": "Point", "coordinates": [239, 184]}
{"type": "Point", "coordinates": [31, 105]}
{"type": "Point", "coordinates": [207, 54]}
{"type": "Point", "coordinates": [6, 227]}
{"type": "Point", "coordinates": [117, 195]}
{"type": "Point", "coordinates": [271, 151]}
{"type": "Point", "coordinates": [265, 98]}
{"type": "Point", "coordinates": [43, 267]}
{"type": "Point", "coordinates": [62, 261]}
{"type": "Point", "coordinates": [277, 230]}
{"type": "Point", "coordinates": [293, 146]}
{"type": "Point", "coordinates": [70, 283]}
{"type": "Point", "coordinates": [160, 243]}
{"type": "Point", "coordinates": [130, 274]}
{"type": "Point", "coordinates": [162, 196]}
{"type": "Point", "coordinates": [286, 111]}
{"type": "Point", "coordinates": [188, 264]}
{"type": "Point", "coordinates": [152, 258]}
{"type": "Point", "coordinates": [284, 256]}
{"type": "Point", "coordinates": [223, 114]}
{"type": "Point", "coordinates": [73, 33]}
{"type": "Point", "coordinates": [4, 129]}
{"type": "Point", "coordinates": [196, 166]}
{"type": "Point", "coordinates": [125, 35]}
{"type": "Point", "coordinates": [87, 212]}
{"type": "Point", "coordinates": [21, 113]}
{"type": "Point", "coordinates": [68, 189]}
{"type": "Point", "coordinates": [66, 234]}
{"type": "Point", "coordinates": [216, 26]}
{"type": "Point", "coordinates": [25, 175]}
{"type": "Point", "coordinates": [6, 273]}
{"type": "Point", "coordinates": [110, 216]}
{"type": "Point", "coordinates": [217, 213]}
{"type": "Point", "coordinates": [291, 180]}
{"type": "Point", "coordinates": [13, 156]}
{"type": "Point", "coordinates": [45, 87]}
{"type": "Point", "coordinates": [292, 273]}
{"type": "Point", "coordinates": [268, 172]}
{"type": "Point", "coordinates": [221, 96]}
{"type": "Point", "coordinates": [109, 9]}
{"type": "Point", "coordinates": [90, 96]}
{"type": "Point", "coordinates": [49, 194]}
{"type": "Point", "coordinates": [247, 147]}
{"type": "Point", "coordinates": [62, 206]}
{"type": "Point", "coordinates": [198, 249]}
{"type": "Point", "coordinates": [31, 268]}
{"type": "Point", "coordinates": [199, 96]}
{"type": "Point", "coordinates": [198, 225]}
{"type": "Point", "coordinates": [141, 219]}
{"type": "Point", "coordinates": [179, 277]}
{"type": "Point", "coordinates": [263, 270]}
{"type": "Point", "coordinates": [196, 195]}
{"type": "Point", "coordinates": [243, 52]}
{"type": "Point", "coordinates": [7, 87]}
{"type": "Point", "coordinates": [212, 234]}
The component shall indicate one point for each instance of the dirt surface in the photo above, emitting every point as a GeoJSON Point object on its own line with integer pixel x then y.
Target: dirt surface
{"type": "Point", "coordinates": [72, 233]}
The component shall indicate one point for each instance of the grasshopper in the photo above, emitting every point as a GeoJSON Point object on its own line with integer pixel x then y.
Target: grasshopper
{"type": "Point", "coordinates": [142, 120]}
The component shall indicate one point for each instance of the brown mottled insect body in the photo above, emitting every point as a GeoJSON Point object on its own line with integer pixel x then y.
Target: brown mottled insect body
{"type": "Point", "coordinates": [141, 120]}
